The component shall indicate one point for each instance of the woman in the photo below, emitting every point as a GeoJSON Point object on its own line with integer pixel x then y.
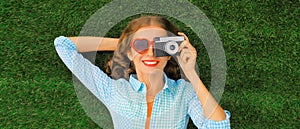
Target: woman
{"type": "Point", "coordinates": [140, 92]}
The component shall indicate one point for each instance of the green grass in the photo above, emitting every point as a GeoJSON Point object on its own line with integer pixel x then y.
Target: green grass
{"type": "Point", "coordinates": [260, 38]}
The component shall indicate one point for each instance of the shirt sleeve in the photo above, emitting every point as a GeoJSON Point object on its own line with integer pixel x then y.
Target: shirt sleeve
{"type": "Point", "coordinates": [195, 110]}
{"type": "Point", "coordinates": [89, 75]}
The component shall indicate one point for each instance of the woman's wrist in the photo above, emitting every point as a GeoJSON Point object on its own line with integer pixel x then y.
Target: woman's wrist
{"type": "Point", "coordinates": [191, 74]}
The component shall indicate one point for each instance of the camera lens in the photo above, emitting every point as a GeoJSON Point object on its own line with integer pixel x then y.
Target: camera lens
{"type": "Point", "coordinates": [171, 47]}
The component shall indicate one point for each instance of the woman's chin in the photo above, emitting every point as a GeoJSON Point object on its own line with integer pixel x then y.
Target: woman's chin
{"type": "Point", "coordinates": [151, 70]}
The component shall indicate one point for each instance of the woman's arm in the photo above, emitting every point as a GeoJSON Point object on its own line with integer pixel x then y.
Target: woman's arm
{"type": "Point", "coordinates": [211, 108]}
{"type": "Point", "coordinates": [89, 75]}
{"type": "Point", "coordinates": [187, 60]}
{"type": "Point", "coordinates": [88, 44]}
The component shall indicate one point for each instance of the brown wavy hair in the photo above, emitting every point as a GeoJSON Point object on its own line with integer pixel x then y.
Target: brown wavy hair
{"type": "Point", "coordinates": [120, 66]}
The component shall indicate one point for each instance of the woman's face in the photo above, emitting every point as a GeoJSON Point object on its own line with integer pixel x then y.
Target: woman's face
{"type": "Point", "coordinates": [146, 62]}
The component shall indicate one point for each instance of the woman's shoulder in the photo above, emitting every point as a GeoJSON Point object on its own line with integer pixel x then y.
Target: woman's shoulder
{"type": "Point", "coordinates": [178, 84]}
{"type": "Point", "coordinates": [181, 87]}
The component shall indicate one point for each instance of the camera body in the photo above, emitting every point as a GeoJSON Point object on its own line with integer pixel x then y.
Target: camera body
{"type": "Point", "coordinates": [167, 46]}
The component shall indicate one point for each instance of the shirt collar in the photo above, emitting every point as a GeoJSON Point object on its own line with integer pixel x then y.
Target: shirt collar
{"type": "Point", "coordinates": [140, 86]}
{"type": "Point", "coordinates": [136, 84]}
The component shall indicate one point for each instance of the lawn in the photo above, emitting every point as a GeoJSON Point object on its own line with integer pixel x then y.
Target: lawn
{"type": "Point", "coordinates": [260, 39]}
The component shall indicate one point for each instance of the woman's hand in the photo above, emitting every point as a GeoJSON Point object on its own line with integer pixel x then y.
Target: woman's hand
{"type": "Point", "coordinates": [187, 56]}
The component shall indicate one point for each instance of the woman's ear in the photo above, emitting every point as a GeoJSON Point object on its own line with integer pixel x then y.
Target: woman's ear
{"type": "Point", "coordinates": [129, 55]}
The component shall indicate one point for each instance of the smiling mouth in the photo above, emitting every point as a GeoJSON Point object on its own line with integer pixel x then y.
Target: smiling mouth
{"type": "Point", "coordinates": [150, 63]}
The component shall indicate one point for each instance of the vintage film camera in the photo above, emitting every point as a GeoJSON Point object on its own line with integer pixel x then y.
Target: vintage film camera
{"type": "Point", "coordinates": [167, 46]}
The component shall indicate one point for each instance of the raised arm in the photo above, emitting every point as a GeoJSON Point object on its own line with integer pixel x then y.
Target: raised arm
{"type": "Point", "coordinates": [187, 59]}
{"type": "Point", "coordinates": [89, 75]}
{"type": "Point", "coordinates": [88, 44]}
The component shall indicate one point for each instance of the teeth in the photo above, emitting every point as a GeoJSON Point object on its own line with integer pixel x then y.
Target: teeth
{"type": "Point", "coordinates": [150, 63]}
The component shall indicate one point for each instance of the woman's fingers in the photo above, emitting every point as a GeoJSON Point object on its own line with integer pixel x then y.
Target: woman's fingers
{"type": "Point", "coordinates": [186, 39]}
{"type": "Point", "coordinates": [186, 55]}
{"type": "Point", "coordinates": [186, 44]}
{"type": "Point", "coordinates": [188, 51]}
{"type": "Point", "coordinates": [182, 34]}
{"type": "Point", "coordinates": [182, 45]}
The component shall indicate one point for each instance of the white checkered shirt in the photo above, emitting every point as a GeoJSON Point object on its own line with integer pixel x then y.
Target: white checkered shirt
{"type": "Point", "coordinates": [126, 99]}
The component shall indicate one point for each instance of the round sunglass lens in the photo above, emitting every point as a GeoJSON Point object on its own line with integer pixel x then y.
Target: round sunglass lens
{"type": "Point", "coordinates": [141, 45]}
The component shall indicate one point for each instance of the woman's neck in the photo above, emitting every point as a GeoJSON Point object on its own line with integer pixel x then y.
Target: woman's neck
{"type": "Point", "coordinates": [154, 82]}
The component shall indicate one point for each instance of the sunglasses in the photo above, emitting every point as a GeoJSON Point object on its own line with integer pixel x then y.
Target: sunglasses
{"type": "Point", "coordinates": [141, 45]}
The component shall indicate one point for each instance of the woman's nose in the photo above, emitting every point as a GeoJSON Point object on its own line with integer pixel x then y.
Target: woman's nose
{"type": "Point", "coordinates": [150, 51]}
